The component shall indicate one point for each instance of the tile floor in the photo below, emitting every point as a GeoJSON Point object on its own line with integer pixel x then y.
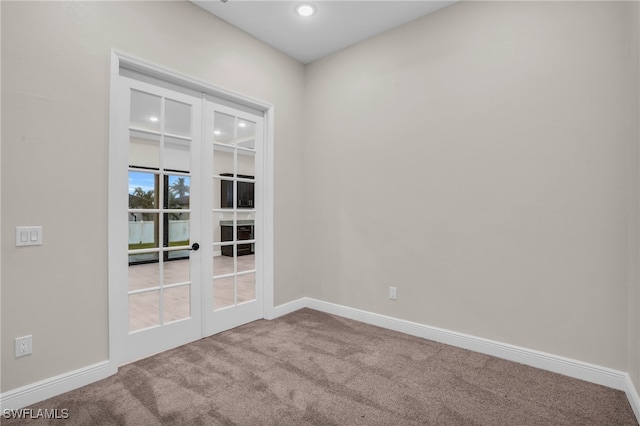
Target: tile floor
{"type": "Point", "coordinates": [144, 308]}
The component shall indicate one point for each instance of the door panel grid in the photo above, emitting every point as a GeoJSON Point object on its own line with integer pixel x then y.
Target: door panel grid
{"type": "Point", "coordinates": [177, 150]}
{"type": "Point", "coordinates": [234, 210]}
{"type": "Point", "coordinates": [159, 210]}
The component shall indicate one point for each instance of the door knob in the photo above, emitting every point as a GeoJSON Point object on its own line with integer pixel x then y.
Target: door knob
{"type": "Point", "coordinates": [195, 246]}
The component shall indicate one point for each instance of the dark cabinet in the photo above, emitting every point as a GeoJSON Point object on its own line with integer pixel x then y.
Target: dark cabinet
{"type": "Point", "coordinates": [244, 196]}
{"type": "Point", "coordinates": [245, 232]}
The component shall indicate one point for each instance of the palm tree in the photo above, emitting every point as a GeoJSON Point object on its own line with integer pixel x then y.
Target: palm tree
{"type": "Point", "coordinates": [139, 199]}
{"type": "Point", "coordinates": [180, 188]}
{"type": "Point", "coordinates": [178, 195]}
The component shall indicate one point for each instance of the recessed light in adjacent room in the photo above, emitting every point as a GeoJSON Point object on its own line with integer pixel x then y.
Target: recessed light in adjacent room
{"type": "Point", "coordinates": [217, 132]}
{"type": "Point", "coordinates": [305, 10]}
{"type": "Point", "coordinates": [242, 124]}
{"type": "Point", "coordinates": [153, 119]}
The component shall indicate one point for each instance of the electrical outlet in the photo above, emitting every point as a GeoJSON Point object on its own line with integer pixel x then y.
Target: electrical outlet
{"type": "Point", "coordinates": [24, 346]}
{"type": "Point", "coordinates": [393, 293]}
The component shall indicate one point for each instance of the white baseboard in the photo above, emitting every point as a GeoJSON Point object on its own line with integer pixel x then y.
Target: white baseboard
{"type": "Point", "coordinates": [45, 389]}
{"type": "Point", "coordinates": [554, 363]}
{"type": "Point", "coordinates": [632, 396]}
{"type": "Point", "coordinates": [287, 308]}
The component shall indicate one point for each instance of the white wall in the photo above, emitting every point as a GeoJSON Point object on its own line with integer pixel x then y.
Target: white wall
{"type": "Point", "coordinates": [55, 103]}
{"type": "Point", "coordinates": [633, 356]}
{"type": "Point", "coordinates": [479, 160]}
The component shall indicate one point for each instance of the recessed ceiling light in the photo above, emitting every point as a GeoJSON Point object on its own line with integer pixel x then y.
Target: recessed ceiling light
{"type": "Point", "coordinates": [305, 10]}
{"type": "Point", "coordinates": [242, 124]}
{"type": "Point", "coordinates": [153, 118]}
{"type": "Point", "coordinates": [217, 132]}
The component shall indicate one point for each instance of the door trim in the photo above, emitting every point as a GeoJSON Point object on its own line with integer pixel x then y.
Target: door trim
{"type": "Point", "coordinates": [116, 238]}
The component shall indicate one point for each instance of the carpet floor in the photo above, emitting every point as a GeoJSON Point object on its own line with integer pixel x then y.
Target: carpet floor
{"type": "Point", "coordinates": [311, 368]}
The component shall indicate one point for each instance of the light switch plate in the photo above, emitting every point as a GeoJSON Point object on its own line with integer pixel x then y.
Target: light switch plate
{"type": "Point", "coordinates": [28, 236]}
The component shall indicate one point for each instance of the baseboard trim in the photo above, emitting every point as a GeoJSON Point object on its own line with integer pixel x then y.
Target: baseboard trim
{"type": "Point", "coordinates": [45, 389]}
{"type": "Point", "coordinates": [287, 308]}
{"type": "Point", "coordinates": [632, 396]}
{"type": "Point", "coordinates": [554, 363]}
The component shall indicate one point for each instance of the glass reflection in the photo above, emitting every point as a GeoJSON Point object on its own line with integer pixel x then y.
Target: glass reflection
{"type": "Point", "coordinates": [144, 310]}
{"type": "Point", "coordinates": [224, 130]}
{"type": "Point", "coordinates": [177, 155]}
{"type": "Point", "coordinates": [246, 287]}
{"type": "Point", "coordinates": [143, 232]}
{"type": "Point", "coordinates": [179, 192]}
{"type": "Point", "coordinates": [144, 150]}
{"type": "Point", "coordinates": [143, 271]}
{"type": "Point", "coordinates": [177, 118]}
{"type": "Point", "coordinates": [142, 190]}
{"type": "Point", "coordinates": [223, 292]}
{"type": "Point", "coordinates": [145, 111]}
{"type": "Point", "coordinates": [177, 304]}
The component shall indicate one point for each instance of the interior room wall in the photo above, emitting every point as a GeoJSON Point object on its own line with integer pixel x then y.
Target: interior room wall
{"type": "Point", "coordinates": [634, 194]}
{"type": "Point", "coordinates": [477, 159]}
{"type": "Point", "coordinates": [55, 106]}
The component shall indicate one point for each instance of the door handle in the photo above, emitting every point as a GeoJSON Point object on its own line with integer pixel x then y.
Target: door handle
{"type": "Point", "coordinates": [195, 247]}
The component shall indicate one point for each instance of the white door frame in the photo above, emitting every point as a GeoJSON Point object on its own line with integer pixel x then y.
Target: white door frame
{"type": "Point", "coordinates": [117, 235]}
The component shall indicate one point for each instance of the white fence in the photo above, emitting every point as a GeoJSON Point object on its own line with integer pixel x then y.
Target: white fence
{"type": "Point", "coordinates": [142, 232]}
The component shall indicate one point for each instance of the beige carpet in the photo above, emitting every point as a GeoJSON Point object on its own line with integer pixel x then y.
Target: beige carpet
{"type": "Point", "coordinates": [310, 368]}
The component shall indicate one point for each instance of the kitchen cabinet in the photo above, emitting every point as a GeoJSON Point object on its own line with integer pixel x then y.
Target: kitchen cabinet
{"type": "Point", "coordinates": [244, 195]}
{"type": "Point", "coordinates": [244, 229]}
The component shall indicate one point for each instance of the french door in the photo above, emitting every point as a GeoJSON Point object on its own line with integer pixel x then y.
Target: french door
{"type": "Point", "coordinates": [193, 218]}
{"type": "Point", "coordinates": [233, 142]}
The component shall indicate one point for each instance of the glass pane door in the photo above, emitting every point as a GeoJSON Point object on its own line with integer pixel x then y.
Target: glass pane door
{"type": "Point", "coordinates": [163, 291]}
{"type": "Point", "coordinates": [189, 260]}
{"type": "Point", "coordinates": [234, 211]}
{"type": "Point", "coordinates": [235, 141]}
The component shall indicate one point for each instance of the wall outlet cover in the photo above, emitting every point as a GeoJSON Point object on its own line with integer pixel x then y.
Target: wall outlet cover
{"type": "Point", "coordinates": [24, 346]}
{"type": "Point", "coordinates": [393, 293]}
